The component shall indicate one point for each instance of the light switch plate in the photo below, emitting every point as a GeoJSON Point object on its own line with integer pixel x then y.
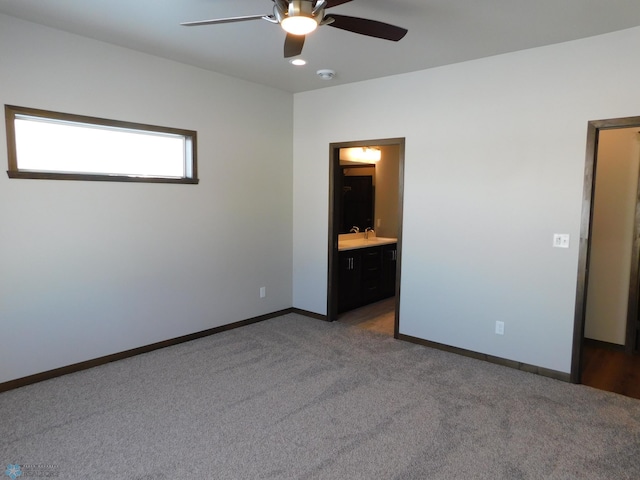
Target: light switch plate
{"type": "Point", "coordinates": [561, 240]}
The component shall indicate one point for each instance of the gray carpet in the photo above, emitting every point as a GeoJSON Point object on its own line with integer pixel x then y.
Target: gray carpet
{"type": "Point", "coordinates": [297, 398]}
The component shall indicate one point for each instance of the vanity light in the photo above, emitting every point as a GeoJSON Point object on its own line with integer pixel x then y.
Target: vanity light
{"type": "Point", "coordinates": [370, 154]}
{"type": "Point", "coordinates": [361, 154]}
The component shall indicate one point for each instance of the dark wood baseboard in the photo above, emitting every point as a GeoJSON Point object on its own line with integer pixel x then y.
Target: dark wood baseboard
{"type": "Point", "coordinates": [76, 367]}
{"type": "Point", "coordinates": [309, 314]}
{"type": "Point", "coordinates": [545, 372]}
{"type": "Point", "coordinates": [606, 345]}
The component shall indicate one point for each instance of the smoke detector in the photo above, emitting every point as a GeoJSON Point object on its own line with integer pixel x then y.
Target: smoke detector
{"type": "Point", "coordinates": [326, 74]}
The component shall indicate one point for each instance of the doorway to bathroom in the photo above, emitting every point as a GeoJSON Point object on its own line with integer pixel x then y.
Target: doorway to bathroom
{"type": "Point", "coordinates": [365, 233]}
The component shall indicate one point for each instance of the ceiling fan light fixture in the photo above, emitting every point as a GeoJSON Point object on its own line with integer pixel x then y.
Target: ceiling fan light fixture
{"type": "Point", "coordinates": [299, 25]}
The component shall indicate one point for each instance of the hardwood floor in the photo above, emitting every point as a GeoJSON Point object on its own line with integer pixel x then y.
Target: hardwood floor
{"type": "Point", "coordinates": [377, 317]}
{"type": "Point", "coordinates": [611, 370]}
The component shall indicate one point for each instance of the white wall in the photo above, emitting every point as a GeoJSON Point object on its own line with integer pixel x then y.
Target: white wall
{"type": "Point", "coordinates": [612, 234]}
{"type": "Point", "coordinates": [91, 268]}
{"type": "Point", "coordinates": [494, 165]}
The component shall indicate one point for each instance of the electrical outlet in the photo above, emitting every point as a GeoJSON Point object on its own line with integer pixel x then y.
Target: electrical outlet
{"type": "Point", "coordinates": [263, 292]}
{"type": "Point", "coordinates": [499, 328]}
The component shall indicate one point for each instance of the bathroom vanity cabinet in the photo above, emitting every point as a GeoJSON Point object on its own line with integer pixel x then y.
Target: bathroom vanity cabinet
{"type": "Point", "coordinates": [389, 260]}
{"type": "Point", "coordinates": [366, 275]}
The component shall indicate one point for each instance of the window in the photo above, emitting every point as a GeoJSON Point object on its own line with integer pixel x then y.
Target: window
{"type": "Point", "coordinates": [52, 145]}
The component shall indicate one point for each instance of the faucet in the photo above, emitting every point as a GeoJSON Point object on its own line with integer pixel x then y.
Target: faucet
{"type": "Point", "coordinates": [354, 229]}
{"type": "Point", "coordinates": [367, 231]}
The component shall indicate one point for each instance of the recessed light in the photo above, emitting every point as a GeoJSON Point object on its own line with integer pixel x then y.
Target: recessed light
{"type": "Point", "coordinates": [298, 62]}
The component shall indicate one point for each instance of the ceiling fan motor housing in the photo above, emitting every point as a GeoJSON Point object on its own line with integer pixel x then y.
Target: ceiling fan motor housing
{"type": "Point", "coordinates": [299, 8]}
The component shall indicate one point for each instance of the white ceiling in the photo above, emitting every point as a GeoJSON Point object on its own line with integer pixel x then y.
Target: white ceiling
{"type": "Point", "coordinates": [440, 32]}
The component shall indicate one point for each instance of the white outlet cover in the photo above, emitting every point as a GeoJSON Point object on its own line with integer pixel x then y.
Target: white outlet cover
{"type": "Point", "coordinates": [561, 240]}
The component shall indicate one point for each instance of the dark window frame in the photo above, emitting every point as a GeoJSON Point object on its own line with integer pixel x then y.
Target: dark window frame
{"type": "Point", "coordinates": [11, 111]}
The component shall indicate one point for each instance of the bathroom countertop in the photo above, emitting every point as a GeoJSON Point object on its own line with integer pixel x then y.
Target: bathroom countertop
{"type": "Point", "coordinates": [361, 242]}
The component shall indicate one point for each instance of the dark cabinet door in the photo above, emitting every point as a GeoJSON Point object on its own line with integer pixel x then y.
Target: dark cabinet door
{"type": "Point", "coordinates": [349, 280]}
{"type": "Point", "coordinates": [366, 275]}
{"type": "Point", "coordinates": [371, 274]}
{"type": "Point", "coordinates": [389, 261]}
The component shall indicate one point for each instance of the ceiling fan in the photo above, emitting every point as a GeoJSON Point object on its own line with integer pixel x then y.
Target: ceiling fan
{"type": "Point", "coordinates": [300, 17]}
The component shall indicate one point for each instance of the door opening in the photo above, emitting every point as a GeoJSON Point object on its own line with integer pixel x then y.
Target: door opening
{"type": "Point", "coordinates": [588, 263]}
{"type": "Point", "coordinates": [369, 204]}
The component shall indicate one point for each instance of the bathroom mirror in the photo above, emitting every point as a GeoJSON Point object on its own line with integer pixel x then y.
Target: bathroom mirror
{"type": "Point", "coordinates": [358, 197]}
{"type": "Point", "coordinates": [369, 182]}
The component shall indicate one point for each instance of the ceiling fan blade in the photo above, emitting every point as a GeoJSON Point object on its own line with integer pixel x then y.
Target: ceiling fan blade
{"type": "Point", "coordinates": [335, 3]}
{"type": "Point", "coordinates": [371, 28]}
{"type": "Point", "coordinates": [222, 20]}
{"type": "Point", "coordinates": [293, 45]}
